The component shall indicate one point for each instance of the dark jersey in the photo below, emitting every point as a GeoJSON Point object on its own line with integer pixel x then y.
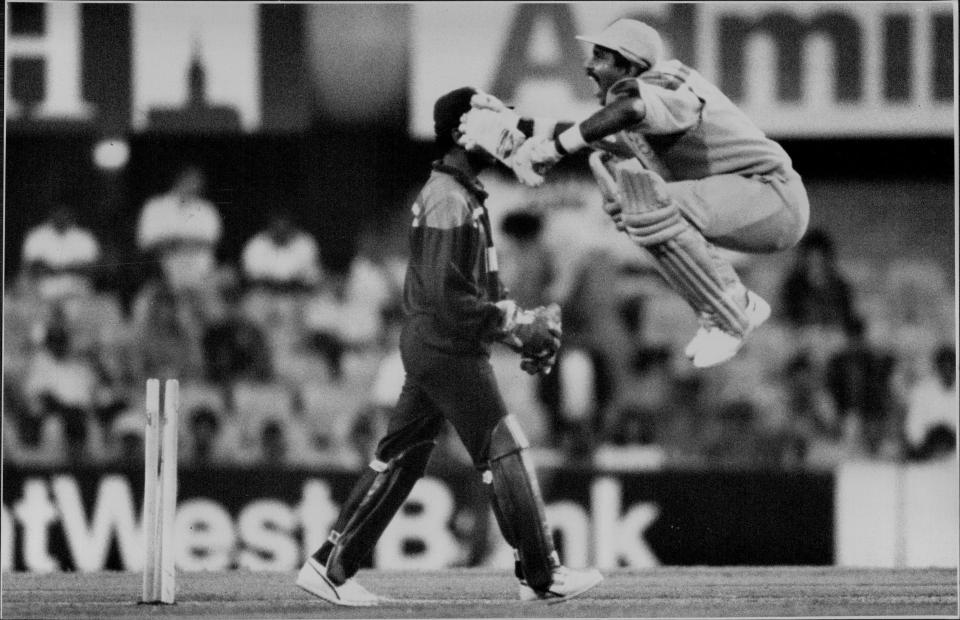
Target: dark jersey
{"type": "Point", "coordinates": [451, 283]}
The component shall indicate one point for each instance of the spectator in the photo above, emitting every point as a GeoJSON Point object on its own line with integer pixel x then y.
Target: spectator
{"type": "Point", "coordinates": [931, 419]}
{"type": "Point", "coordinates": [349, 310]}
{"type": "Point", "coordinates": [234, 347]}
{"type": "Point", "coordinates": [815, 292]}
{"type": "Point", "coordinates": [181, 230]}
{"type": "Point", "coordinates": [126, 439]}
{"type": "Point", "coordinates": [526, 262]}
{"type": "Point", "coordinates": [59, 256]}
{"type": "Point", "coordinates": [812, 430]}
{"type": "Point", "coordinates": [282, 258]}
{"type": "Point", "coordinates": [859, 379]}
{"type": "Point", "coordinates": [61, 387]}
{"type": "Point", "coordinates": [588, 371]}
{"type": "Point", "coordinates": [165, 337]}
{"type": "Point", "coordinates": [210, 439]}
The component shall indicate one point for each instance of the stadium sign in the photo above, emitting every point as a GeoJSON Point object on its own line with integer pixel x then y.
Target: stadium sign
{"type": "Point", "coordinates": [817, 69]}
{"type": "Point", "coordinates": [88, 521]}
{"type": "Point", "coordinates": [797, 69]}
{"type": "Point", "coordinates": [177, 67]}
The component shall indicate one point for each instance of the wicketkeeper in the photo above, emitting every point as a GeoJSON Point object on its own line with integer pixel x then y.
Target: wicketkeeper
{"type": "Point", "coordinates": [682, 171]}
{"type": "Point", "coordinates": [454, 311]}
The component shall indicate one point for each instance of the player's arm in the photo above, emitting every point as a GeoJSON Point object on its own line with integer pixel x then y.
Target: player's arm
{"type": "Point", "coordinates": [655, 104]}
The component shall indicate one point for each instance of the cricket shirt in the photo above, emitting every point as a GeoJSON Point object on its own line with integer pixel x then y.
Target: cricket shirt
{"type": "Point", "coordinates": [692, 127]}
{"type": "Point", "coordinates": [451, 283]}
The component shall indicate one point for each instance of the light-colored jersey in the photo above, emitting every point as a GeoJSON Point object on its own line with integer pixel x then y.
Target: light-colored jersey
{"type": "Point", "coordinates": [692, 127]}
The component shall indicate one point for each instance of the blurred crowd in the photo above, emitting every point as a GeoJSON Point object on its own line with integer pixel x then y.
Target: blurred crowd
{"type": "Point", "coordinates": [287, 358]}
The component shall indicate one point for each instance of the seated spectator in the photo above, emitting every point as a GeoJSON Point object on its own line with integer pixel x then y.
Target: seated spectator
{"type": "Point", "coordinates": [62, 386]}
{"type": "Point", "coordinates": [931, 418]}
{"type": "Point", "coordinates": [282, 258]}
{"type": "Point", "coordinates": [811, 431]}
{"type": "Point", "coordinates": [126, 439]}
{"type": "Point", "coordinates": [165, 338]}
{"type": "Point", "coordinates": [348, 311]}
{"type": "Point", "coordinates": [859, 379]}
{"type": "Point", "coordinates": [814, 291]}
{"type": "Point", "coordinates": [283, 442]}
{"type": "Point", "coordinates": [59, 257]}
{"type": "Point", "coordinates": [181, 230]}
{"type": "Point", "coordinates": [207, 439]}
{"type": "Point", "coordinates": [526, 262]}
{"type": "Point", "coordinates": [234, 347]}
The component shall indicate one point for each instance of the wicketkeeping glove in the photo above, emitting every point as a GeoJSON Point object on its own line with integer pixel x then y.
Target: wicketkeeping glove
{"type": "Point", "coordinates": [535, 334]}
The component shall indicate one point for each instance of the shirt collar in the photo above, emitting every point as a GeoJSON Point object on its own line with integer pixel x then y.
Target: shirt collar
{"type": "Point", "coordinates": [471, 183]}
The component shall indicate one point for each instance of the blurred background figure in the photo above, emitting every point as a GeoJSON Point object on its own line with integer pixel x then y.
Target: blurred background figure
{"type": "Point", "coordinates": [348, 312]}
{"type": "Point", "coordinates": [527, 262]}
{"type": "Point", "coordinates": [931, 418]}
{"type": "Point", "coordinates": [60, 257]}
{"type": "Point", "coordinates": [812, 429]}
{"type": "Point", "coordinates": [125, 440]}
{"type": "Point", "coordinates": [165, 336]}
{"type": "Point", "coordinates": [859, 379]}
{"type": "Point", "coordinates": [234, 346]}
{"type": "Point", "coordinates": [181, 230]}
{"type": "Point", "coordinates": [60, 390]}
{"type": "Point", "coordinates": [815, 292]}
{"type": "Point", "coordinates": [282, 258]}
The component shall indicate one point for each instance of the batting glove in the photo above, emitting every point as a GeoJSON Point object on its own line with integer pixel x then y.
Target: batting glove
{"type": "Point", "coordinates": [523, 165]}
{"type": "Point", "coordinates": [655, 226]}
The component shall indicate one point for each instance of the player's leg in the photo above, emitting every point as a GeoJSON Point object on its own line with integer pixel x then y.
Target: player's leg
{"type": "Point", "coordinates": [519, 510]}
{"type": "Point", "coordinates": [727, 311]}
{"type": "Point", "coordinates": [401, 459]}
{"type": "Point", "coordinates": [498, 448]}
{"type": "Point", "coordinates": [759, 214]}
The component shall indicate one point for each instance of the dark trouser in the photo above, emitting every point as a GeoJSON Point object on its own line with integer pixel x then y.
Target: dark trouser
{"type": "Point", "coordinates": [462, 389]}
{"type": "Point", "coordinates": [459, 388]}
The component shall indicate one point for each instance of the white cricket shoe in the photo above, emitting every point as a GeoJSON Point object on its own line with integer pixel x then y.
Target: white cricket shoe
{"type": "Point", "coordinates": [313, 578]}
{"type": "Point", "coordinates": [711, 345]}
{"type": "Point", "coordinates": [567, 583]}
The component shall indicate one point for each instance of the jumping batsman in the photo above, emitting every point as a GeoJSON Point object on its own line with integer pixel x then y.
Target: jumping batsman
{"type": "Point", "coordinates": [682, 170]}
{"type": "Point", "coordinates": [454, 311]}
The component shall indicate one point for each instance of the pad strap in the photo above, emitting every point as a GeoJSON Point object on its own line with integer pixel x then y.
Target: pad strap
{"type": "Point", "coordinates": [372, 503]}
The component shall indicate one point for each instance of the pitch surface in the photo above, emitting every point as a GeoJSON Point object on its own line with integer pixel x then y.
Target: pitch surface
{"type": "Point", "coordinates": [476, 593]}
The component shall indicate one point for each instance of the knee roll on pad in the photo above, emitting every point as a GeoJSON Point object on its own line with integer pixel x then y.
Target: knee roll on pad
{"type": "Point", "coordinates": [517, 503]}
{"type": "Point", "coordinates": [372, 504]}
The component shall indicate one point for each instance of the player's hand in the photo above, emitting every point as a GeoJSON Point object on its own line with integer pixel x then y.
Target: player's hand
{"type": "Point", "coordinates": [494, 132]}
{"type": "Point", "coordinates": [655, 226]}
{"type": "Point", "coordinates": [533, 159]}
{"type": "Point", "coordinates": [615, 211]}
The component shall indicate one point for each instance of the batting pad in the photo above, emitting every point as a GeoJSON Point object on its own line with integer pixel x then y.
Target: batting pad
{"type": "Point", "coordinates": [684, 260]}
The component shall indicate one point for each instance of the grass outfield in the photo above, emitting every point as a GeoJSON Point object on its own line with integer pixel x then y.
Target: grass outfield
{"type": "Point", "coordinates": [478, 593]}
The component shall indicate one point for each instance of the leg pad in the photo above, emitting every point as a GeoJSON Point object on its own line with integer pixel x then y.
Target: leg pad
{"type": "Point", "coordinates": [373, 502]}
{"type": "Point", "coordinates": [517, 503]}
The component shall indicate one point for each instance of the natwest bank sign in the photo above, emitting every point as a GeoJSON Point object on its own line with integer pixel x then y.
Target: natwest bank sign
{"type": "Point", "coordinates": [798, 69]}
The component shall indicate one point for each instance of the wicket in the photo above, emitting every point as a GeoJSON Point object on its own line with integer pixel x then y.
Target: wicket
{"type": "Point", "coordinates": [160, 492]}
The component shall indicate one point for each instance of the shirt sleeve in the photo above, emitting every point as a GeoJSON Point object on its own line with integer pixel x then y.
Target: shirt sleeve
{"type": "Point", "coordinates": [671, 105]}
